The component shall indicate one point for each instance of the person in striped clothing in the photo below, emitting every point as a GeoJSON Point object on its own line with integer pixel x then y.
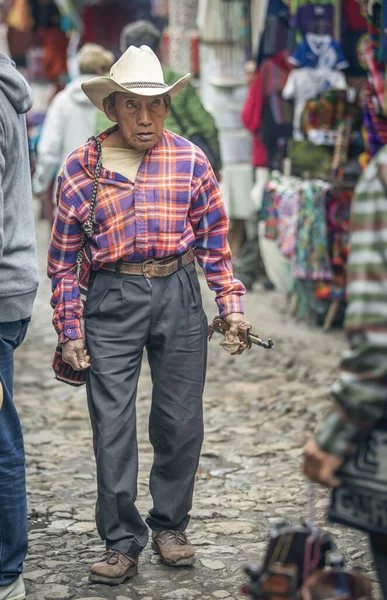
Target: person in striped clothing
{"type": "Point", "coordinates": [158, 208]}
{"type": "Point", "coordinates": [360, 393]}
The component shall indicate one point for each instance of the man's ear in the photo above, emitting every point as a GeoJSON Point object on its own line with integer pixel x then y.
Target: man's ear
{"type": "Point", "coordinates": [109, 110]}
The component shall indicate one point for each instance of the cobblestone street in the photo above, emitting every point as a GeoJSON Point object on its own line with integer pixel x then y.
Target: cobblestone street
{"type": "Point", "coordinates": [258, 410]}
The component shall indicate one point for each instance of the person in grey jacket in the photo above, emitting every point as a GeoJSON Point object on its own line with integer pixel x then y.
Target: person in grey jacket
{"type": "Point", "coordinates": [18, 286]}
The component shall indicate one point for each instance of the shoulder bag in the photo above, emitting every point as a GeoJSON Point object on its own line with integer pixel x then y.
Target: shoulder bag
{"type": "Point", "coordinates": [63, 371]}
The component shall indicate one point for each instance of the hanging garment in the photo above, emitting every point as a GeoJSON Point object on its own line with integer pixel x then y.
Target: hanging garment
{"type": "Point", "coordinates": [325, 112]}
{"type": "Point", "coordinates": [287, 210]}
{"type": "Point", "coordinates": [377, 72]}
{"type": "Point", "coordinates": [304, 84]}
{"type": "Point", "coordinates": [375, 123]}
{"type": "Point", "coordinates": [314, 18]}
{"type": "Point", "coordinates": [355, 17]}
{"type": "Point", "coordinates": [277, 35]}
{"type": "Point", "coordinates": [280, 211]}
{"type": "Point", "coordinates": [265, 113]}
{"type": "Point", "coordinates": [354, 44]}
{"type": "Point", "coordinates": [319, 51]}
{"type": "Point", "coordinates": [311, 259]}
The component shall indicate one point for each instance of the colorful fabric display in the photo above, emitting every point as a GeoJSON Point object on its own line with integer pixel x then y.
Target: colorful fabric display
{"type": "Point", "coordinates": [319, 51]}
{"type": "Point", "coordinates": [376, 70]}
{"type": "Point", "coordinates": [355, 16]}
{"type": "Point", "coordinates": [354, 44]}
{"type": "Point", "coordinates": [325, 112]}
{"type": "Point", "coordinates": [375, 123]}
{"type": "Point", "coordinates": [305, 84]}
{"type": "Point", "coordinates": [265, 113]}
{"type": "Point", "coordinates": [277, 35]}
{"type": "Point", "coordinates": [314, 18]}
{"type": "Point", "coordinates": [311, 258]}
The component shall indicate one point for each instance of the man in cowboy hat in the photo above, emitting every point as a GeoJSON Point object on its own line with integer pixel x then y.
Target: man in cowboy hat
{"type": "Point", "coordinates": [189, 117]}
{"type": "Point", "coordinates": [158, 207]}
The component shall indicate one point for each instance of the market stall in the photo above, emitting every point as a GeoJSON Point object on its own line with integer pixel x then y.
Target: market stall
{"type": "Point", "coordinates": [332, 94]}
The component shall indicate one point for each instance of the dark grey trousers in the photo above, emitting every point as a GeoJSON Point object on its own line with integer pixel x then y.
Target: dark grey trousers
{"type": "Point", "coordinates": [124, 315]}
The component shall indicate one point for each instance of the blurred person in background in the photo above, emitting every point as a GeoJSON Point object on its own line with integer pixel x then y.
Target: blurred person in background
{"type": "Point", "coordinates": [191, 116]}
{"type": "Point", "coordinates": [360, 396]}
{"type": "Point", "coordinates": [71, 119]}
{"type": "Point", "coordinates": [18, 285]}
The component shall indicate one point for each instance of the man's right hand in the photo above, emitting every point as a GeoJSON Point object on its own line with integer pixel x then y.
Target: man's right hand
{"type": "Point", "coordinates": [75, 355]}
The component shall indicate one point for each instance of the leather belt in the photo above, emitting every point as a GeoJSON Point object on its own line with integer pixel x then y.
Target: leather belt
{"type": "Point", "coordinates": [153, 268]}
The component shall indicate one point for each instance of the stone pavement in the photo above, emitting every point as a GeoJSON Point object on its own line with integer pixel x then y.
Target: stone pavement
{"type": "Point", "coordinates": [259, 409]}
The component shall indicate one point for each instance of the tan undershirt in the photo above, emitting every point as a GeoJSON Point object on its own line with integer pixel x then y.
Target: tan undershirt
{"type": "Point", "coordinates": [124, 161]}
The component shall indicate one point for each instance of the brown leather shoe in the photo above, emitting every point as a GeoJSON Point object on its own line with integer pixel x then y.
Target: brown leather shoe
{"type": "Point", "coordinates": [113, 568]}
{"type": "Point", "coordinates": [174, 548]}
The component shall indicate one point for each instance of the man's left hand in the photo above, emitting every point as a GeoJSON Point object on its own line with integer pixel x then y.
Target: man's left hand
{"type": "Point", "coordinates": [237, 321]}
{"type": "Point", "coordinates": [321, 466]}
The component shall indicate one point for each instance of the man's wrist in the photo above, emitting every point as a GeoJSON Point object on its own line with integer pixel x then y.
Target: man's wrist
{"type": "Point", "coordinates": [229, 305]}
{"type": "Point", "coordinates": [72, 330]}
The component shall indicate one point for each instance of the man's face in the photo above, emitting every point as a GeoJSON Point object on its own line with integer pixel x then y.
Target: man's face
{"type": "Point", "coordinates": [140, 119]}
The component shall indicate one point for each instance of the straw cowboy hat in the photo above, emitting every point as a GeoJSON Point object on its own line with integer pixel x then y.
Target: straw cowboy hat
{"type": "Point", "coordinates": [137, 71]}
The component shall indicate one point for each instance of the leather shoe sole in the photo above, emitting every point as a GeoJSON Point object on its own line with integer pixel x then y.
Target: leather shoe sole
{"type": "Point", "coordinates": [180, 562]}
{"type": "Point", "coordinates": [95, 578]}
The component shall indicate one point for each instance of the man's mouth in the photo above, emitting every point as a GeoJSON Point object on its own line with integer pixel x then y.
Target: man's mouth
{"type": "Point", "coordinates": [144, 136]}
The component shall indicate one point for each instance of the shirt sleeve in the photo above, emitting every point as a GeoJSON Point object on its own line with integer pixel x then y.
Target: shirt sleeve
{"type": "Point", "coordinates": [342, 62]}
{"type": "Point", "coordinates": [360, 391]}
{"type": "Point", "coordinates": [65, 241]}
{"type": "Point", "coordinates": [298, 57]}
{"type": "Point", "coordinates": [210, 224]}
{"type": "Point", "coordinates": [289, 90]}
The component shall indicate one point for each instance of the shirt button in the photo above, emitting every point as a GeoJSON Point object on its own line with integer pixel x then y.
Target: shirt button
{"type": "Point", "coordinates": [141, 251]}
{"type": "Point", "coordinates": [140, 219]}
{"type": "Point", "coordinates": [69, 331]}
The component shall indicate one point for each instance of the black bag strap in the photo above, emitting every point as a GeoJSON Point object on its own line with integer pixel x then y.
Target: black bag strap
{"type": "Point", "coordinates": [88, 227]}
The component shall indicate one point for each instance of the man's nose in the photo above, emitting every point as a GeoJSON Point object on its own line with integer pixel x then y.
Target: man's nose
{"type": "Point", "coordinates": [143, 117]}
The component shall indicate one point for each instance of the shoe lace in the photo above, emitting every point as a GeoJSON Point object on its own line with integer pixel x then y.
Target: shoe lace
{"type": "Point", "coordinates": [111, 557]}
{"type": "Point", "coordinates": [179, 536]}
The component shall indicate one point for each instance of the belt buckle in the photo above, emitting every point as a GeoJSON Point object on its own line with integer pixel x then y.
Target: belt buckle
{"type": "Point", "coordinates": [144, 266]}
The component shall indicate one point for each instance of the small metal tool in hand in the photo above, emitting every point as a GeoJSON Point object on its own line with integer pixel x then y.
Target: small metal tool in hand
{"type": "Point", "coordinates": [244, 340]}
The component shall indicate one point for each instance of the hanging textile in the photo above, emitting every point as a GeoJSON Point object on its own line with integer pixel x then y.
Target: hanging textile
{"type": "Point", "coordinates": [277, 35]}
{"type": "Point", "coordinates": [375, 123]}
{"type": "Point", "coordinates": [311, 258]}
{"type": "Point", "coordinates": [313, 17]}
{"type": "Point", "coordinates": [266, 114]}
{"type": "Point", "coordinates": [319, 51]}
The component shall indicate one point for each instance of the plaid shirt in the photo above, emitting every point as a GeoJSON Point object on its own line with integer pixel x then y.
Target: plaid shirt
{"type": "Point", "coordinates": [174, 203]}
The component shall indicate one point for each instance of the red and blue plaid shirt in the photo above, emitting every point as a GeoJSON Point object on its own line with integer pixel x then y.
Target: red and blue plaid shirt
{"type": "Point", "coordinates": [174, 203]}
